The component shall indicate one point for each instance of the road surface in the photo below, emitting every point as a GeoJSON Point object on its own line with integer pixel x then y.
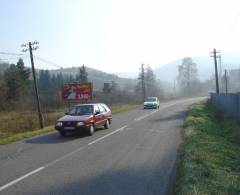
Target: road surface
{"type": "Point", "coordinates": [137, 155]}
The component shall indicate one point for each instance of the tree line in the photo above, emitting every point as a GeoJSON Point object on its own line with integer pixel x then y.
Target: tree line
{"type": "Point", "coordinates": [16, 86]}
{"type": "Point", "coordinates": [17, 92]}
{"type": "Point", "coordinates": [188, 83]}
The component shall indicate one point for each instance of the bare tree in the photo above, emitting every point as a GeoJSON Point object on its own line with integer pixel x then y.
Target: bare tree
{"type": "Point", "coordinates": [188, 77]}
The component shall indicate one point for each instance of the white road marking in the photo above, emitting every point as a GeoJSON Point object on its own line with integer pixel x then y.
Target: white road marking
{"type": "Point", "coordinates": [77, 150]}
{"type": "Point", "coordinates": [163, 107]}
{"type": "Point", "coordinates": [21, 178]}
{"type": "Point", "coordinates": [159, 131]}
{"type": "Point", "coordinates": [99, 139]}
{"type": "Point", "coordinates": [63, 157]}
{"type": "Point", "coordinates": [57, 160]}
{"type": "Point", "coordinates": [145, 116]}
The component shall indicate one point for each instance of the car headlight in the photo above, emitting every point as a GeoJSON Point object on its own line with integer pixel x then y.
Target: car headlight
{"type": "Point", "coordinates": [59, 124]}
{"type": "Point", "coordinates": [80, 123]}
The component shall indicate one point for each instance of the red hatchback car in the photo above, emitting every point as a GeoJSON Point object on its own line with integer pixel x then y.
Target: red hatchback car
{"type": "Point", "coordinates": [84, 117]}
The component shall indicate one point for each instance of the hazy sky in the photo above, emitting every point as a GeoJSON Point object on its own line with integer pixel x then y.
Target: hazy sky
{"type": "Point", "coordinates": [119, 35]}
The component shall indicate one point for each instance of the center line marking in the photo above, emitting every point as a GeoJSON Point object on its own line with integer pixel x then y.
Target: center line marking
{"type": "Point", "coordinates": [99, 139]}
{"type": "Point", "coordinates": [163, 107]}
{"type": "Point", "coordinates": [144, 116]}
{"type": "Point", "coordinates": [21, 178]}
{"type": "Point", "coordinates": [57, 160]}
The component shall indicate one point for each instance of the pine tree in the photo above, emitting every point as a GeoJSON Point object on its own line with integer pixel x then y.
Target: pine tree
{"type": "Point", "coordinates": [114, 86]}
{"type": "Point", "coordinates": [60, 80]}
{"type": "Point", "coordinates": [14, 82]}
{"type": "Point", "coordinates": [44, 81]}
{"type": "Point", "coordinates": [152, 86]}
{"type": "Point", "coordinates": [82, 77]}
{"type": "Point", "coordinates": [4, 92]}
{"type": "Point", "coordinates": [69, 79]}
{"type": "Point", "coordinates": [24, 74]}
{"type": "Point", "coordinates": [54, 83]}
{"type": "Point", "coordinates": [140, 85]}
{"type": "Point", "coordinates": [151, 83]}
{"type": "Point", "coordinates": [187, 76]}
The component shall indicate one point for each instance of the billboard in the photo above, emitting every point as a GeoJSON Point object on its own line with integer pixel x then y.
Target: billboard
{"type": "Point", "coordinates": [77, 92]}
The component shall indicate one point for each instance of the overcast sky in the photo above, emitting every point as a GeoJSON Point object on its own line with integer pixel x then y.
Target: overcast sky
{"type": "Point", "coordinates": [119, 35]}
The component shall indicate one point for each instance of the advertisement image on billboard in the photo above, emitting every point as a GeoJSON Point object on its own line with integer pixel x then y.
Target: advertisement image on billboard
{"type": "Point", "coordinates": [77, 92]}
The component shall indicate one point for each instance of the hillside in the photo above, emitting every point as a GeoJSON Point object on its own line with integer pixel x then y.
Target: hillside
{"type": "Point", "coordinates": [3, 67]}
{"type": "Point", "coordinates": [168, 72]}
{"type": "Point", "coordinates": [98, 77]}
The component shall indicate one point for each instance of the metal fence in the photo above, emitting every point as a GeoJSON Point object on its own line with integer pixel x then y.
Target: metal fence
{"type": "Point", "coordinates": [229, 103]}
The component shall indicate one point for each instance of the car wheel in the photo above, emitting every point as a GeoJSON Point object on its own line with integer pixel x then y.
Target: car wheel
{"type": "Point", "coordinates": [62, 133]}
{"type": "Point", "coordinates": [91, 130]}
{"type": "Point", "coordinates": [106, 126]}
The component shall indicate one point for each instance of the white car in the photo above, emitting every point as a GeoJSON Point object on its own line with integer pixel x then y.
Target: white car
{"type": "Point", "coordinates": [151, 102]}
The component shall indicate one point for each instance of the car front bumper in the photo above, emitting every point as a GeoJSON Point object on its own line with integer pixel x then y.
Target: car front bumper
{"type": "Point", "coordinates": [72, 128]}
{"type": "Point", "coordinates": [150, 106]}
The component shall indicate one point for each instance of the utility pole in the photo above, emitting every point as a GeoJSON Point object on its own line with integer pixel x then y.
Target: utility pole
{"type": "Point", "coordinates": [30, 49]}
{"type": "Point", "coordinates": [216, 70]}
{"type": "Point", "coordinates": [226, 81]}
{"type": "Point", "coordinates": [143, 82]}
{"type": "Point", "coordinates": [174, 88]}
{"type": "Point", "coordinates": [220, 72]}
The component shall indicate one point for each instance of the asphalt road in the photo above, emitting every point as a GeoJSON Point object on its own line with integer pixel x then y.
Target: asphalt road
{"type": "Point", "coordinates": [137, 155]}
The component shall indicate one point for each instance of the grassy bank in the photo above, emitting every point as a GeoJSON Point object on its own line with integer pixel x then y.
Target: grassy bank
{"type": "Point", "coordinates": [210, 154]}
{"type": "Point", "coordinates": [15, 126]}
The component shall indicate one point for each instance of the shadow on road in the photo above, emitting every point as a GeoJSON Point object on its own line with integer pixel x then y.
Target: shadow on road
{"type": "Point", "coordinates": [176, 116]}
{"type": "Point", "coordinates": [134, 181]}
{"type": "Point", "coordinates": [54, 138]}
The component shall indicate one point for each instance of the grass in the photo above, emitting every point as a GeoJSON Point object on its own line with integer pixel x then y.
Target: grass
{"type": "Point", "coordinates": [8, 138]}
{"type": "Point", "coordinates": [117, 108]}
{"type": "Point", "coordinates": [209, 160]}
{"type": "Point", "coordinates": [15, 126]}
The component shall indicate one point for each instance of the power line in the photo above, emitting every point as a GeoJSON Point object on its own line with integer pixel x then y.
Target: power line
{"type": "Point", "coordinates": [235, 20]}
{"type": "Point", "coordinates": [47, 61]}
{"type": "Point", "coordinates": [7, 59]}
{"type": "Point", "coordinates": [13, 54]}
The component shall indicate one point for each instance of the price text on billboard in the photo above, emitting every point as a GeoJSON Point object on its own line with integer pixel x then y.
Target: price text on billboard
{"type": "Point", "coordinates": [77, 92]}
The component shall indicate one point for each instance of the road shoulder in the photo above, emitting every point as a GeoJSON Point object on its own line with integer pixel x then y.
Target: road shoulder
{"type": "Point", "coordinates": [210, 156]}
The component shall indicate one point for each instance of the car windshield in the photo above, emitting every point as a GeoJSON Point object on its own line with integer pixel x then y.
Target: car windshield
{"type": "Point", "coordinates": [151, 99]}
{"type": "Point", "coordinates": [81, 110]}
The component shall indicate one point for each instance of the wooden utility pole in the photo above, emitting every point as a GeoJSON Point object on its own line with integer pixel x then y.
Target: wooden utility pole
{"type": "Point", "coordinates": [216, 69]}
{"type": "Point", "coordinates": [221, 87]}
{"type": "Point", "coordinates": [226, 81]}
{"type": "Point", "coordinates": [143, 82]}
{"type": "Point", "coordinates": [174, 88]}
{"type": "Point", "coordinates": [31, 48]}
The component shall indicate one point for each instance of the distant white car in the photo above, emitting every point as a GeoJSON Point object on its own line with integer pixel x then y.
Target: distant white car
{"type": "Point", "coordinates": [151, 102]}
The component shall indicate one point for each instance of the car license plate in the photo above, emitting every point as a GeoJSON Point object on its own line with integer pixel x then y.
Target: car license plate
{"type": "Point", "coordinates": [69, 128]}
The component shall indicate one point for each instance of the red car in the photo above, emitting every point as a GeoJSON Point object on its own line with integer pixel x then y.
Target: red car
{"type": "Point", "coordinates": [84, 117]}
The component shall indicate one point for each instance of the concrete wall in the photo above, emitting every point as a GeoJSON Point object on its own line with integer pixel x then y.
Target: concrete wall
{"type": "Point", "coordinates": [229, 103]}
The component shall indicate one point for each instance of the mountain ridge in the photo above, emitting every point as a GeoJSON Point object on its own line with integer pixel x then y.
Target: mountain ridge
{"type": "Point", "coordinates": [98, 77]}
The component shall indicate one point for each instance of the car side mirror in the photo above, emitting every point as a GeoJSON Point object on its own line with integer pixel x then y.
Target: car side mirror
{"type": "Point", "coordinates": [97, 112]}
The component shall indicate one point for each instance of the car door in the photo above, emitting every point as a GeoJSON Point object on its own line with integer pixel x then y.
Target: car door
{"type": "Point", "coordinates": [97, 116]}
{"type": "Point", "coordinates": [102, 115]}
